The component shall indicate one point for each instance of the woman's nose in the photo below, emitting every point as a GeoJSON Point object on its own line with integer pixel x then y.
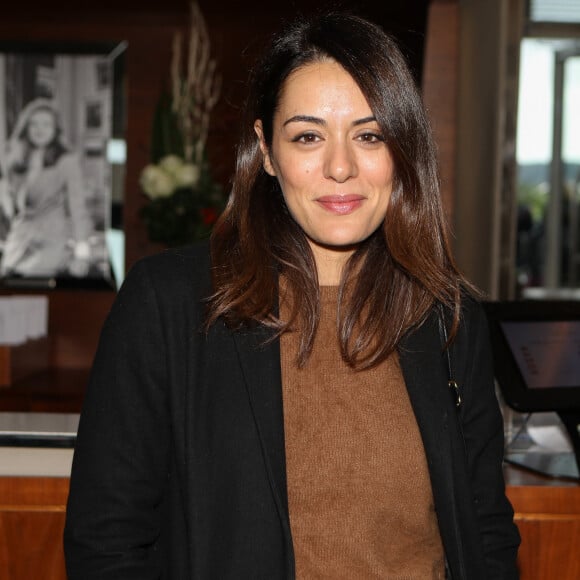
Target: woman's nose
{"type": "Point", "coordinates": [339, 163]}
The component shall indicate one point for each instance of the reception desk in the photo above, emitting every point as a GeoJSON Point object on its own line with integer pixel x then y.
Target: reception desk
{"type": "Point", "coordinates": [35, 460]}
{"type": "Point", "coordinates": [32, 514]}
{"type": "Point", "coordinates": [547, 512]}
{"type": "Point", "coordinates": [34, 488]}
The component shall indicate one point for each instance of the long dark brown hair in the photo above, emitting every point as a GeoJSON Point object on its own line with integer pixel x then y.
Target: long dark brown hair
{"type": "Point", "coordinates": [20, 142]}
{"type": "Point", "coordinates": [396, 276]}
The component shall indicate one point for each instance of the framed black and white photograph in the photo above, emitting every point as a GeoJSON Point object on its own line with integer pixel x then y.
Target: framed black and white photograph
{"type": "Point", "coordinates": [57, 117]}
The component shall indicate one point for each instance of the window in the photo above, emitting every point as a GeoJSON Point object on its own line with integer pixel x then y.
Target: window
{"type": "Point", "coordinates": [554, 11]}
{"type": "Point", "coordinates": [548, 151]}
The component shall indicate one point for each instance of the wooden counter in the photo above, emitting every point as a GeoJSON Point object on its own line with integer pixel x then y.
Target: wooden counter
{"type": "Point", "coordinates": [34, 483]}
{"type": "Point", "coordinates": [547, 512]}
{"type": "Point", "coordinates": [32, 514]}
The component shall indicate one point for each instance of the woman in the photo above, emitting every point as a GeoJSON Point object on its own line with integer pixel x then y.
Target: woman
{"type": "Point", "coordinates": [281, 409]}
{"type": "Point", "coordinates": [45, 198]}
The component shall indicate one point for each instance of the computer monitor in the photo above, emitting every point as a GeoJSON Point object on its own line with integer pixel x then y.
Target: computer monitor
{"type": "Point", "coordinates": [536, 349]}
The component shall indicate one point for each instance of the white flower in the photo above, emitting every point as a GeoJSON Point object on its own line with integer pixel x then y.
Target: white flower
{"type": "Point", "coordinates": [171, 163]}
{"type": "Point", "coordinates": [187, 175]}
{"type": "Point", "coordinates": [156, 182]}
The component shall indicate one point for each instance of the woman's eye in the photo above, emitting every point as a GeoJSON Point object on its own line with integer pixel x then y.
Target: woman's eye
{"type": "Point", "coordinates": [370, 138]}
{"type": "Point", "coordinates": [306, 138]}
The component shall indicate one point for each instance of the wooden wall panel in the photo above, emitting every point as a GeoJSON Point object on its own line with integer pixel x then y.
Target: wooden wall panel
{"type": "Point", "coordinates": [440, 89]}
{"type": "Point", "coordinates": [548, 517]}
{"type": "Point", "coordinates": [75, 320]}
{"type": "Point", "coordinates": [32, 515]}
{"type": "Point", "coordinates": [29, 545]}
{"type": "Point", "coordinates": [550, 547]}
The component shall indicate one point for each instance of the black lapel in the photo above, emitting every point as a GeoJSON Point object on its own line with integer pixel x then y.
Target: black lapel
{"type": "Point", "coordinates": [425, 371]}
{"type": "Point", "coordinates": [260, 362]}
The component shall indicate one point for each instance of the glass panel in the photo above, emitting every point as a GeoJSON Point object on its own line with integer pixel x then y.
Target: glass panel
{"type": "Point", "coordinates": [62, 161]}
{"type": "Point", "coordinates": [571, 171]}
{"type": "Point", "coordinates": [548, 158]}
{"type": "Point", "coordinates": [554, 11]}
{"type": "Point", "coordinates": [534, 155]}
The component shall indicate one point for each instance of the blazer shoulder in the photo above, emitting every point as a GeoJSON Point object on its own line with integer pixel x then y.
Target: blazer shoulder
{"type": "Point", "coordinates": [470, 303]}
{"type": "Point", "coordinates": [473, 318]}
{"type": "Point", "coordinates": [177, 271]}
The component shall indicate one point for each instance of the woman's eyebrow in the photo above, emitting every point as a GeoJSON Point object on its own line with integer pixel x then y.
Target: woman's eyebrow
{"type": "Point", "coordinates": [369, 119]}
{"type": "Point", "coordinates": [304, 119]}
{"type": "Point", "coordinates": [322, 122]}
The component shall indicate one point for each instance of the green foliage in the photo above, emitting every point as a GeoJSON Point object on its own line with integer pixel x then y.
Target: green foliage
{"type": "Point", "coordinates": [185, 216]}
{"type": "Point", "coordinates": [166, 138]}
{"type": "Point", "coordinates": [535, 197]}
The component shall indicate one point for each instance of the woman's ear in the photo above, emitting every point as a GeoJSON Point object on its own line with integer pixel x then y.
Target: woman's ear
{"type": "Point", "coordinates": [267, 161]}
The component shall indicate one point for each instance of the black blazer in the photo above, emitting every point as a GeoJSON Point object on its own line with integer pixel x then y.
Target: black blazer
{"type": "Point", "coordinates": [179, 466]}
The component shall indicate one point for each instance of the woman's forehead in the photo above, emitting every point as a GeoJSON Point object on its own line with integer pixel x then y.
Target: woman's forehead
{"type": "Point", "coordinates": [321, 86]}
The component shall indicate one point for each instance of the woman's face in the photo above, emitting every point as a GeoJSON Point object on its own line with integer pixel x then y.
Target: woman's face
{"type": "Point", "coordinates": [328, 154]}
{"type": "Point", "coordinates": [41, 129]}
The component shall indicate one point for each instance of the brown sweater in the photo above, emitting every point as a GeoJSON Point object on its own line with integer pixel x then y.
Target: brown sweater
{"type": "Point", "coordinates": [359, 493]}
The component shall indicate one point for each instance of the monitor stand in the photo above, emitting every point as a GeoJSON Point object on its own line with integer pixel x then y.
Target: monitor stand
{"type": "Point", "coordinates": [561, 465]}
{"type": "Point", "coordinates": [571, 420]}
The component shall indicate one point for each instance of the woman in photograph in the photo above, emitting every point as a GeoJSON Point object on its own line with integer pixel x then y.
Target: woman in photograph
{"type": "Point", "coordinates": [45, 199]}
{"type": "Point", "coordinates": [278, 405]}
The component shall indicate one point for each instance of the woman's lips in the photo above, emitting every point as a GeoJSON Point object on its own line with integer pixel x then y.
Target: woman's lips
{"type": "Point", "coordinates": [340, 204]}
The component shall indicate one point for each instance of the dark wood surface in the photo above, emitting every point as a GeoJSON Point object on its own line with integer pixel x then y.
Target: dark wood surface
{"type": "Point", "coordinates": [32, 514]}
{"type": "Point", "coordinates": [547, 513]}
{"type": "Point", "coordinates": [441, 89]}
{"type": "Point", "coordinates": [58, 385]}
{"type": "Point", "coordinates": [52, 391]}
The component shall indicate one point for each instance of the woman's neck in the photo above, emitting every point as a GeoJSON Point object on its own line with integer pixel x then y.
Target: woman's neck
{"type": "Point", "coordinates": [330, 263]}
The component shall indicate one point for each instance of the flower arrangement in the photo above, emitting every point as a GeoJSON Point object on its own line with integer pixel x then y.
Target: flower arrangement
{"type": "Point", "coordinates": [184, 200]}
